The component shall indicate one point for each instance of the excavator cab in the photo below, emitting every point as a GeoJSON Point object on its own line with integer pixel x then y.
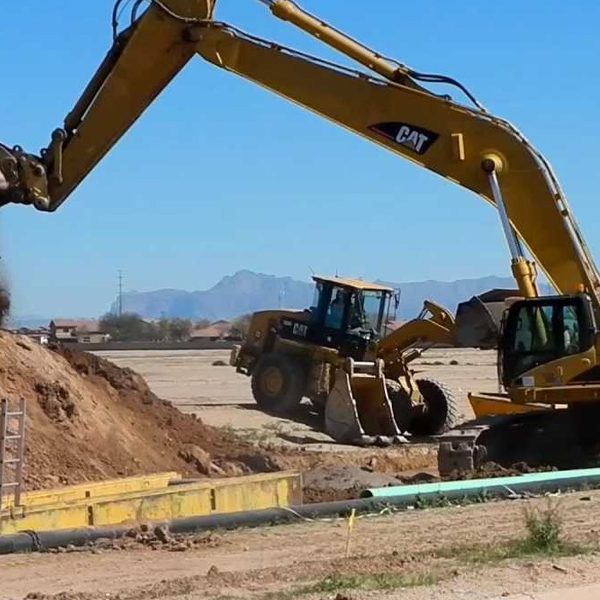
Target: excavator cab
{"type": "Point", "coordinates": [540, 331]}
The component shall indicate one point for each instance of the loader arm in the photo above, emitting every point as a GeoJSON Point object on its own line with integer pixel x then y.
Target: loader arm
{"type": "Point", "coordinates": [435, 325]}
{"type": "Point", "coordinates": [395, 348]}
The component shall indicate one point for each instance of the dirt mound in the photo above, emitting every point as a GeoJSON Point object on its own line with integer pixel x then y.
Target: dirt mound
{"type": "Point", "coordinates": [324, 484]}
{"type": "Point", "coordinates": [492, 470]}
{"type": "Point", "coordinates": [88, 419]}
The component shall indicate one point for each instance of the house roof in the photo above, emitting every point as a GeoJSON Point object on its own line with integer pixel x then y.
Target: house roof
{"type": "Point", "coordinates": [80, 325]}
{"type": "Point", "coordinates": [206, 332]}
{"type": "Point", "coordinates": [29, 330]}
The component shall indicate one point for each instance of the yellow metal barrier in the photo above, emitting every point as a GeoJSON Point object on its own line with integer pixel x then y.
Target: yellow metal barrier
{"type": "Point", "coordinates": [96, 489]}
{"type": "Point", "coordinates": [488, 405]}
{"type": "Point", "coordinates": [150, 498]}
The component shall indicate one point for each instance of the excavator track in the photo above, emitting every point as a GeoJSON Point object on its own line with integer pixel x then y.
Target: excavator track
{"type": "Point", "coordinates": [561, 439]}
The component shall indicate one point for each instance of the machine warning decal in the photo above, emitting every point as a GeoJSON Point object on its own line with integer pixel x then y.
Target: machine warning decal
{"type": "Point", "coordinates": [414, 138]}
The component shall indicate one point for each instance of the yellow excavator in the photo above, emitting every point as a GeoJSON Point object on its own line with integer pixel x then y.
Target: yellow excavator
{"type": "Point", "coordinates": [549, 346]}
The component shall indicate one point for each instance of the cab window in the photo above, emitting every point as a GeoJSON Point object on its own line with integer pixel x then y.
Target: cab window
{"type": "Point", "coordinates": [538, 332]}
{"type": "Point", "coordinates": [334, 316]}
{"type": "Point", "coordinates": [571, 333]}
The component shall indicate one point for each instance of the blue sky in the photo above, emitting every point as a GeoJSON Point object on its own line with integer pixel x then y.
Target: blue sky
{"type": "Point", "coordinates": [219, 175]}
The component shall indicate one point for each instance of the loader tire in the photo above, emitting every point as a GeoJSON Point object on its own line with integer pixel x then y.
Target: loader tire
{"type": "Point", "coordinates": [401, 404]}
{"type": "Point", "coordinates": [278, 383]}
{"type": "Point", "coordinates": [440, 411]}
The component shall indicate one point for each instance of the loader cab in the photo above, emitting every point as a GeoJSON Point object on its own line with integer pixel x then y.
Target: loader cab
{"type": "Point", "coordinates": [540, 330]}
{"type": "Point", "coordinates": [347, 314]}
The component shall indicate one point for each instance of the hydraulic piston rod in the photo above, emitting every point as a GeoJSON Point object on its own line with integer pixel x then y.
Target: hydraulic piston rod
{"type": "Point", "coordinates": [523, 270]}
{"type": "Point", "coordinates": [287, 10]}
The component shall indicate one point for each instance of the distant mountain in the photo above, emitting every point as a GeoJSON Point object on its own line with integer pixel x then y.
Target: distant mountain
{"type": "Point", "coordinates": [246, 291]}
{"type": "Point", "coordinates": [28, 321]}
{"type": "Point", "coordinates": [234, 295]}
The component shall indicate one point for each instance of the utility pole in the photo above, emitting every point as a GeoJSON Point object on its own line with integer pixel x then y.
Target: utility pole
{"type": "Point", "coordinates": [120, 297]}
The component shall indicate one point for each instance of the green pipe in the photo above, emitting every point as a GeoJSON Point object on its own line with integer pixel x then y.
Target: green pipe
{"type": "Point", "coordinates": [528, 481]}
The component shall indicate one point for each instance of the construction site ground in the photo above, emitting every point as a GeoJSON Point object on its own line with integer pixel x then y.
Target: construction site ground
{"type": "Point", "coordinates": [89, 420]}
{"type": "Point", "coordinates": [222, 398]}
{"type": "Point", "coordinates": [441, 553]}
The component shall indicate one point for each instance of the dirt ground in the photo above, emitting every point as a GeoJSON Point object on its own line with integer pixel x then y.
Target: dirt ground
{"type": "Point", "coordinates": [412, 555]}
{"type": "Point", "coordinates": [428, 552]}
{"type": "Point", "coordinates": [222, 397]}
{"type": "Point", "coordinates": [89, 419]}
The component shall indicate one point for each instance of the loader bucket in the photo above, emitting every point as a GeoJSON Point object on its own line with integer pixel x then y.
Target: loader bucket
{"type": "Point", "coordinates": [478, 319]}
{"type": "Point", "coordinates": [358, 408]}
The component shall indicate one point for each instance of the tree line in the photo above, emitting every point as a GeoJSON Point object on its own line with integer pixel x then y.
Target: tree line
{"type": "Point", "coordinates": [131, 327]}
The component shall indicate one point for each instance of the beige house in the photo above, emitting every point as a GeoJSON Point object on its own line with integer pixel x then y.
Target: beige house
{"type": "Point", "coordinates": [83, 331]}
{"type": "Point", "coordinates": [219, 330]}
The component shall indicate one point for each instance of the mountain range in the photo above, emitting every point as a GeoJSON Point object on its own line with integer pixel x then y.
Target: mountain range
{"type": "Point", "coordinates": [246, 292]}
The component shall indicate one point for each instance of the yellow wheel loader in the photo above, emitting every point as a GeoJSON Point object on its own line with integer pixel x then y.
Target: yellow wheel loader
{"type": "Point", "coordinates": [339, 354]}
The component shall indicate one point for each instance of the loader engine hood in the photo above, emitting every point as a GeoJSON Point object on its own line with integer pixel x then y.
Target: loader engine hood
{"type": "Point", "coordinates": [478, 319]}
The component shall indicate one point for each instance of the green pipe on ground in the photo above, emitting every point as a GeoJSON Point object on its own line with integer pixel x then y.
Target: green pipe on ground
{"type": "Point", "coordinates": [529, 481]}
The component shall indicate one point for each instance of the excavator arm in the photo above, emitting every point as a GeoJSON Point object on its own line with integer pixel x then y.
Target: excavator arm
{"type": "Point", "coordinates": [143, 60]}
{"type": "Point", "coordinates": [389, 107]}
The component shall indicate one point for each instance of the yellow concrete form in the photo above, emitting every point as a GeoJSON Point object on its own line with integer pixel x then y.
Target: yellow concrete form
{"type": "Point", "coordinates": [98, 489]}
{"type": "Point", "coordinates": [148, 499]}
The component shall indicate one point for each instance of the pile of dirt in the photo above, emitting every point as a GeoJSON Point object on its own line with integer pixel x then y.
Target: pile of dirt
{"type": "Point", "coordinates": [89, 420]}
{"type": "Point", "coordinates": [325, 484]}
{"type": "Point", "coordinates": [491, 470]}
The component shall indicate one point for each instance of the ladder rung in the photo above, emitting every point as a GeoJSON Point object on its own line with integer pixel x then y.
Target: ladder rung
{"type": "Point", "coordinates": [11, 484]}
{"type": "Point", "coordinates": [10, 461]}
{"type": "Point", "coordinates": [12, 436]}
{"type": "Point", "coordinates": [14, 414]}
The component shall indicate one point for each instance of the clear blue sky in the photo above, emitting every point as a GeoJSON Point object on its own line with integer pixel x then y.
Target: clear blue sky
{"type": "Point", "coordinates": [218, 175]}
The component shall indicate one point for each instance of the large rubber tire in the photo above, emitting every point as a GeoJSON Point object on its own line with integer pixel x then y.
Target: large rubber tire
{"type": "Point", "coordinates": [278, 383]}
{"type": "Point", "coordinates": [401, 405]}
{"type": "Point", "coordinates": [440, 411]}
